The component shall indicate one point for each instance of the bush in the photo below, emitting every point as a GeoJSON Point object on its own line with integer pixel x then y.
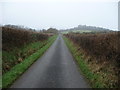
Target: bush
{"type": "Point", "coordinates": [12, 37]}
{"type": "Point", "coordinates": [102, 46]}
{"type": "Point", "coordinates": [102, 54]}
{"type": "Point", "coordinates": [18, 44]}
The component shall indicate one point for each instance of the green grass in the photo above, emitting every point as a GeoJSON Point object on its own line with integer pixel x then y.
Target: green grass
{"type": "Point", "coordinates": [94, 79]}
{"type": "Point", "coordinates": [9, 77]}
{"type": "Point", "coordinates": [11, 57]}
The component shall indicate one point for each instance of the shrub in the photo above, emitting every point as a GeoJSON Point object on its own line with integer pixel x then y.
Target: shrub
{"type": "Point", "coordinates": [12, 37]}
{"type": "Point", "coordinates": [102, 46]}
{"type": "Point", "coordinates": [19, 43]}
{"type": "Point", "coordinates": [103, 49]}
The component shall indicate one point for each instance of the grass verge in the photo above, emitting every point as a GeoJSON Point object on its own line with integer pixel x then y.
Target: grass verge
{"type": "Point", "coordinates": [17, 55]}
{"type": "Point", "coordinates": [94, 79]}
{"type": "Point", "coordinates": [9, 77]}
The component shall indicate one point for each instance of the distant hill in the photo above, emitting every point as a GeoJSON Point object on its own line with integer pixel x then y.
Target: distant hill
{"type": "Point", "coordinates": [85, 28]}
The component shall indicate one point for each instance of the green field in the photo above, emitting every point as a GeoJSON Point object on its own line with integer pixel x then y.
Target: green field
{"type": "Point", "coordinates": [77, 31]}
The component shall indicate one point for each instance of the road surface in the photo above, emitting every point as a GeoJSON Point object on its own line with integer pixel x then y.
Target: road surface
{"type": "Point", "coordinates": [55, 69]}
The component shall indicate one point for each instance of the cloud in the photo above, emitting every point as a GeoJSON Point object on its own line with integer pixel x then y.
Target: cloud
{"type": "Point", "coordinates": [59, 0]}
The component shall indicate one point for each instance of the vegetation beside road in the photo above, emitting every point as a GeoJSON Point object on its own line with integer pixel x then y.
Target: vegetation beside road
{"type": "Point", "coordinates": [97, 56]}
{"type": "Point", "coordinates": [21, 48]}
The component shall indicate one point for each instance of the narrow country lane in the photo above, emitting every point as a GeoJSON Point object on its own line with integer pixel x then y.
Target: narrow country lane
{"type": "Point", "coordinates": [55, 69]}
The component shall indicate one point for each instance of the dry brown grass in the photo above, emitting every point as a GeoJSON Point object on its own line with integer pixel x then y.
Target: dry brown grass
{"type": "Point", "coordinates": [100, 46]}
{"type": "Point", "coordinates": [18, 44]}
{"type": "Point", "coordinates": [102, 53]}
{"type": "Point", "coordinates": [19, 37]}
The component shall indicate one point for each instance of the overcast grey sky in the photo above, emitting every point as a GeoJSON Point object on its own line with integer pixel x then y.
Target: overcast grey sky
{"type": "Point", "coordinates": [60, 14]}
